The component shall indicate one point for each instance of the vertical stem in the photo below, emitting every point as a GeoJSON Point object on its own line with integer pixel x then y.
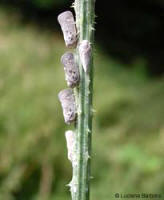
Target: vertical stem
{"type": "Point", "coordinates": [84, 10]}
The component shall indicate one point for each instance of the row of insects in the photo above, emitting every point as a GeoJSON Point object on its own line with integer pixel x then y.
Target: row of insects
{"type": "Point", "coordinates": [72, 75]}
{"type": "Point", "coordinates": [71, 69]}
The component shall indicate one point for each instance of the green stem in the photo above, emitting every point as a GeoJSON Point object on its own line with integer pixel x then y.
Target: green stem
{"type": "Point", "coordinates": [84, 10]}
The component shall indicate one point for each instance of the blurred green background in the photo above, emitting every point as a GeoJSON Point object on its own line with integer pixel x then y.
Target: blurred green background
{"type": "Point", "coordinates": [128, 128]}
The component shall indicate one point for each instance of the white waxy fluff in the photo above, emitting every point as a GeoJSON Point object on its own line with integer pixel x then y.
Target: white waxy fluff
{"type": "Point", "coordinates": [70, 139]}
{"type": "Point", "coordinates": [72, 75]}
{"type": "Point", "coordinates": [85, 54]}
{"type": "Point", "coordinates": [67, 99]}
{"type": "Point", "coordinates": [67, 23]}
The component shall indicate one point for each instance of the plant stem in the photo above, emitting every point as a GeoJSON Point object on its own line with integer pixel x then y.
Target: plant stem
{"type": "Point", "coordinates": [84, 10]}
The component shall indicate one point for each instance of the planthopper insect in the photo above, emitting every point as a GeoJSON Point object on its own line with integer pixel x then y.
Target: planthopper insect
{"type": "Point", "coordinates": [67, 23]}
{"type": "Point", "coordinates": [67, 99]}
{"type": "Point", "coordinates": [85, 54]}
{"type": "Point", "coordinates": [70, 139]}
{"type": "Point", "coordinates": [72, 75]}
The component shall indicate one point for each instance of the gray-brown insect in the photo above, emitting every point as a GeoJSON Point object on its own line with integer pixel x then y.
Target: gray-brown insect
{"type": "Point", "coordinates": [85, 54]}
{"type": "Point", "coordinates": [70, 139]}
{"type": "Point", "coordinates": [67, 99]}
{"type": "Point", "coordinates": [67, 23]}
{"type": "Point", "coordinates": [72, 75]}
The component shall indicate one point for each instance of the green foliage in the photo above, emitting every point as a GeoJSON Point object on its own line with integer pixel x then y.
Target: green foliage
{"type": "Point", "coordinates": [48, 3]}
{"type": "Point", "coordinates": [128, 131]}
